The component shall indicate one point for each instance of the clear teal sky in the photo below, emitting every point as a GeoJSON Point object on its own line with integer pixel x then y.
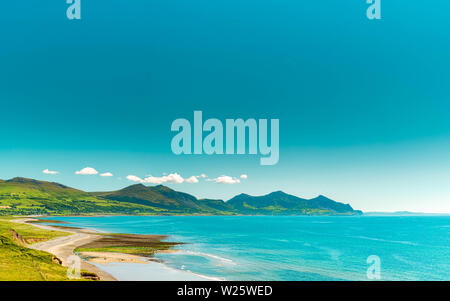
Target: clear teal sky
{"type": "Point", "coordinates": [363, 105]}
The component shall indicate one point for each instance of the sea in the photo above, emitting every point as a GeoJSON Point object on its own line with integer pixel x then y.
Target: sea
{"type": "Point", "coordinates": [297, 248]}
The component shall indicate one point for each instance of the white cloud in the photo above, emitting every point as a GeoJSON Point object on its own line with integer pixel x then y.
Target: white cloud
{"type": "Point", "coordinates": [192, 180]}
{"type": "Point", "coordinates": [50, 172]}
{"type": "Point", "coordinates": [177, 179]}
{"type": "Point", "coordinates": [106, 174]}
{"type": "Point", "coordinates": [225, 180]}
{"type": "Point", "coordinates": [87, 171]}
{"type": "Point", "coordinates": [134, 179]}
{"type": "Point", "coordinates": [171, 178]}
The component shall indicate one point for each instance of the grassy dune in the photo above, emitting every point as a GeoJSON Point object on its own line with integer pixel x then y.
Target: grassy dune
{"type": "Point", "coordinates": [29, 233]}
{"type": "Point", "coordinates": [17, 262]}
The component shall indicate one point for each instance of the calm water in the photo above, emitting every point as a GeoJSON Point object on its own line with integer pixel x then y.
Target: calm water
{"type": "Point", "coordinates": [294, 248]}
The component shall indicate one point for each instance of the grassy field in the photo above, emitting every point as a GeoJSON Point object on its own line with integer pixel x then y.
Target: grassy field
{"type": "Point", "coordinates": [19, 263]}
{"type": "Point", "coordinates": [30, 234]}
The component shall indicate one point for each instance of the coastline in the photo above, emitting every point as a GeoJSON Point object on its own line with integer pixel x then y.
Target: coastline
{"type": "Point", "coordinates": [63, 247]}
{"type": "Point", "coordinates": [256, 248]}
{"type": "Point", "coordinates": [107, 265]}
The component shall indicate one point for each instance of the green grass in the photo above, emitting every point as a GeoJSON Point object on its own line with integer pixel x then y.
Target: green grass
{"type": "Point", "coordinates": [247, 206]}
{"type": "Point", "coordinates": [19, 263]}
{"type": "Point", "coordinates": [30, 234]}
{"type": "Point", "coordinates": [140, 251]}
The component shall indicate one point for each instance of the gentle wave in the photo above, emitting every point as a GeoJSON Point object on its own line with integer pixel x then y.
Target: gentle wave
{"type": "Point", "coordinates": [387, 240]}
{"type": "Point", "coordinates": [182, 270]}
{"type": "Point", "coordinates": [207, 255]}
{"type": "Point", "coordinates": [205, 277]}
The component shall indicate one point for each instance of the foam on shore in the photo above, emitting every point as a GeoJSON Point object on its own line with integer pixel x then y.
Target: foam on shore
{"type": "Point", "coordinates": [151, 271]}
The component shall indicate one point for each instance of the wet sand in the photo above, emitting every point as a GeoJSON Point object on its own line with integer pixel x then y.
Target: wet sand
{"type": "Point", "coordinates": [110, 257]}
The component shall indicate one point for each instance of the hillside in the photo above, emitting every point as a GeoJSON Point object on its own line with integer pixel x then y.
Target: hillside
{"type": "Point", "coordinates": [279, 203]}
{"type": "Point", "coordinates": [28, 196]}
{"type": "Point", "coordinates": [162, 199]}
{"type": "Point", "coordinates": [18, 262]}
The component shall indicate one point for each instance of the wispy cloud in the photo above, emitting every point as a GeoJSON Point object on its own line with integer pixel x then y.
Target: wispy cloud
{"type": "Point", "coordinates": [50, 172]}
{"type": "Point", "coordinates": [225, 180]}
{"type": "Point", "coordinates": [87, 171]}
{"type": "Point", "coordinates": [244, 176]}
{"type": "Point", "coordinates": [106, 174]}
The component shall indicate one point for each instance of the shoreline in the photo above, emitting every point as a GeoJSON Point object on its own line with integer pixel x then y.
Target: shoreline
{"type": "Point", "coordinates": [125, 267]}
{"type": "Point", "coordinates": [63, 247]}
{"type": "Point", "coordinates": [107, 265]}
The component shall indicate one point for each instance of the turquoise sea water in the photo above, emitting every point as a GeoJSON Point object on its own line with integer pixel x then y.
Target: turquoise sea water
{"type": "Point", "coordinates": [293, 248]}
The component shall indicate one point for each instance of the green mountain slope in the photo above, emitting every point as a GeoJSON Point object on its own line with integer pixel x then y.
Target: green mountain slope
{"type": "Point", "coordinates": [161, 197]}
{"type": "Point", "coordinates": [218, 205]}
{"type": "Point", "coordinates": [28, 196]}
{"type": "Point", "coordinates": [282, 203]}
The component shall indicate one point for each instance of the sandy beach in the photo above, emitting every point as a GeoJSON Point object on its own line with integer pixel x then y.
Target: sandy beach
{"type": "Point", "coordinates": [108, 257]}
{"type": "Point", "coordinates": [99, 262]}
{"type": "Point", "coordinates": [63, 247]}
{"type": "Point", "coordinates": [89, 245]}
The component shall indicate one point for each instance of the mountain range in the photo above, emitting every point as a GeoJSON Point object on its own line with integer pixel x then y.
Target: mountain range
{"type": "Point", "coordinates": [28, 196]}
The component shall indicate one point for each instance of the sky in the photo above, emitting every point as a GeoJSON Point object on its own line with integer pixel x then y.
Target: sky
{"type": "Point", "coordinates": [363, 104]}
